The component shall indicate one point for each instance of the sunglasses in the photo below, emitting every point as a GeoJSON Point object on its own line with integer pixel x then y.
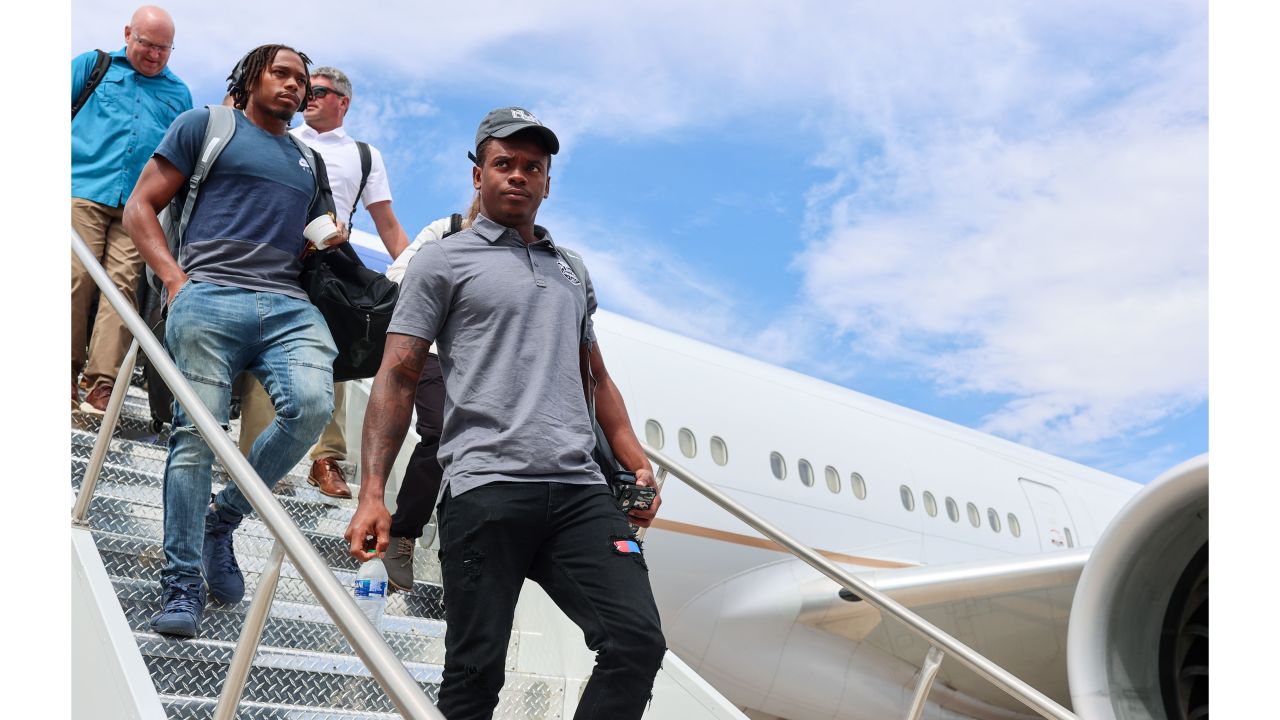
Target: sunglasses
{"type": "Point", "coordinates": [321, 92]}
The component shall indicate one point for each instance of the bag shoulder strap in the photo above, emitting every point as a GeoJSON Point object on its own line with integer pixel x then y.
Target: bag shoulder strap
{"type": "Point", "coordinates": [366, 164]}
{"type": "Point", "coordinates": [217, 133]}
{"type": "Point", "coordinates": [575, 263]}
{"type": "Point", "coordinates": [99, 71]}
{"type": "Point", "coordinates": [455, 225]}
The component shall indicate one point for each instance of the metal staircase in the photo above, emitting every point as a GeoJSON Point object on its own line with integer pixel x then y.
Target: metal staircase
{"type": "Point", "coordinates": [304, 667]}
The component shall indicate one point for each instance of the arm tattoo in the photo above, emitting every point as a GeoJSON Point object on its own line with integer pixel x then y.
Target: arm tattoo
{"type": "Point", "coordinates": [390, 406]}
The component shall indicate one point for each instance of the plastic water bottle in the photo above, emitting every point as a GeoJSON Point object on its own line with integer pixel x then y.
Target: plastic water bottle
{"type": "Point", "coordinates": [371, 590]}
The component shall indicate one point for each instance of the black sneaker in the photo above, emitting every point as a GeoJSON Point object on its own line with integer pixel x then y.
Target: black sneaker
{"type": "Point", "coordinates": [183, 607]}
{"type": "Point", "coordinates": [398, 560]}
{"type": "Point", "coordinates": [226, 582]}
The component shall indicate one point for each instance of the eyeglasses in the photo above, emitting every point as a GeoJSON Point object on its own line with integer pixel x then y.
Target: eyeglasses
{"type": "Point", "coordinates": [321, 91]}
{"type": "Point", "coordinates": [148, 46]}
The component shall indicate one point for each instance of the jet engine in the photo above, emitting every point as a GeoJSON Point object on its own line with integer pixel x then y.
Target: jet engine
{"type": "Point", "coordinates": [1138, 638]}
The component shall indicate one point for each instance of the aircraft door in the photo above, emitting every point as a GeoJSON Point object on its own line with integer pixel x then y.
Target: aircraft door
{"type": "Point", "coordinates": [1053, 521]}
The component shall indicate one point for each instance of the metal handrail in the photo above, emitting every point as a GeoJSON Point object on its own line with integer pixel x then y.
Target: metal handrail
{"type": "Point", "coordinates": [386, 668]}
{"type": "Point", "coordinates": [936, 638]}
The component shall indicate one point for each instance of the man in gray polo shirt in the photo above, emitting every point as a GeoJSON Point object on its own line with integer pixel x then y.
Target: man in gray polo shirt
{"type": "Point", "coordinates": [523, 496]}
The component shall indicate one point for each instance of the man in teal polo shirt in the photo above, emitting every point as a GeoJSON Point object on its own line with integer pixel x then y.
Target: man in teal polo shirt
{"type": "Point", "coordinates": [112, 137]}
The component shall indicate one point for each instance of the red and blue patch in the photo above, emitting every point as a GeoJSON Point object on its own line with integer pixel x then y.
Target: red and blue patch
{"type": "Point", "coordinates": [626, 546]}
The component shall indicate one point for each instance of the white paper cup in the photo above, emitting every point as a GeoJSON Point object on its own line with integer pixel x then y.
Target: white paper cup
{"type": "Point", "coordinates": [320, 231]}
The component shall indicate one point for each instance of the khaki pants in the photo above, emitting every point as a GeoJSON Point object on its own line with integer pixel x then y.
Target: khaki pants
{"type": "Point", "coordinates": [256, 413]}
{"type": "Point", "coordinates": [99, 226]}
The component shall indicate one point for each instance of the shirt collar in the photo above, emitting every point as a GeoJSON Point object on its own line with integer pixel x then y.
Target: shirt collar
{"type": "Point", "coordinates": [124, 56]}
{"type": "Point", "coordinates": [310, 132]}
{"type": "Point", "coordinates": [492, 232]}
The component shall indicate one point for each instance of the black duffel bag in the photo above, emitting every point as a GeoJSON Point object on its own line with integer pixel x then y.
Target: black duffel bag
{"type": "Point", "coordinates": [356, 303]}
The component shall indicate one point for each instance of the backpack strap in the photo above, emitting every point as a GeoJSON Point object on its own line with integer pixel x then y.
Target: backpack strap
{"type": "Point", "coordinates": [313, 162]}
{"type": "Point", "coordinates": [579, 268]}
{"type": "Point", "coordinates": [455, 224]}
{"type": "Point", "coordinates": [95, 77]}
{"type": "Point", "coordinates": [366, 164]}
{"type": "Point", "coordinates": [174, 219]}
{"type": "Point", "coordinates": [217, 133]}
{"type": "Point", "coordinates": [575, 263]}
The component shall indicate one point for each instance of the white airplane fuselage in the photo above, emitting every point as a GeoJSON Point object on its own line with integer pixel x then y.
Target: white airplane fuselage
{"type": "Point", "coordinates": [728, 597]}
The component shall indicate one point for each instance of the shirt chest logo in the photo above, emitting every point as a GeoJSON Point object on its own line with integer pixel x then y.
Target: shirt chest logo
{"type": "Point", "coordinates": [305, 166]}
{"type": "Point", "coordinates": [568, 272]}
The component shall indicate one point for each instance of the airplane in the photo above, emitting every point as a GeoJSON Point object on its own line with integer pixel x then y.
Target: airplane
{"type": "Point", "coordinates": [1090, 587]}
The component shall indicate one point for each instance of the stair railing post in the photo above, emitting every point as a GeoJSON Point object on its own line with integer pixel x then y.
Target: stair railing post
{"type": "Point", "coordinates": [928, 672]}
{"type": "Point", "coordinates": [89, 482]}
{"type": "Point", "coordinates": [250, 636]}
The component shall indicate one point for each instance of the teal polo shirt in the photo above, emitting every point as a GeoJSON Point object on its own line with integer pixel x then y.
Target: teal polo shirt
{"type": "Point", "coordinates": [119, 126]}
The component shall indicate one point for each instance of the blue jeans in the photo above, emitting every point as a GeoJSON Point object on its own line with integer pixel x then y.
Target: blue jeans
{"type": "Point", "coordinates": [213, 333]}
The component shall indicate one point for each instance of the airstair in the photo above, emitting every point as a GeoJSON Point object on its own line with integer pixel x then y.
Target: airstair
{"type": "Point", "coordinates": [304, 667]}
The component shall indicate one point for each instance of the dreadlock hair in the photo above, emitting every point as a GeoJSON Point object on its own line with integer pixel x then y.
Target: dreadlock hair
{"type": "Point", "coordinates": [244, 77]}
{"type": "Point", "coordinates": [473, 210]}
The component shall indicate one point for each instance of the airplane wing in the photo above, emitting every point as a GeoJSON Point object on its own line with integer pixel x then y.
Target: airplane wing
{"type": "Point", "coordinates": [1014, 611]}
{"type": "Point", "coordinates": [961, 587]}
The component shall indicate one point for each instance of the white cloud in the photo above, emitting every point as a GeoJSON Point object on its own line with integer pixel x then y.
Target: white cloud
{"type": "Point", "coordinates": [1016, 197]}
{"type": "Point", "coordinates": [1065, 265]}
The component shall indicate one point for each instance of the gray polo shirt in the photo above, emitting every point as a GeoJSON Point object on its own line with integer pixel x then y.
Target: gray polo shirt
{"type": "Point", "coordinates": [506, 320]}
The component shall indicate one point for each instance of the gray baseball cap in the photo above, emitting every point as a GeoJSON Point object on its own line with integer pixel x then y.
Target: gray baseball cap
{"type": "Point", "coordinates": [505, 122]}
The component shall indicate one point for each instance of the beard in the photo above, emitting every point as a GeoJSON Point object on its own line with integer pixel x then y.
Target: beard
{"type": "Point", "coordinates": [281, 113]}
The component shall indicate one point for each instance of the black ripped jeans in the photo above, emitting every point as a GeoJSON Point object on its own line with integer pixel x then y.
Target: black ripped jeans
{"type": "Point", "coordinates": [574, 542]}
{"type": "Point", "coordinates": [421, 485]}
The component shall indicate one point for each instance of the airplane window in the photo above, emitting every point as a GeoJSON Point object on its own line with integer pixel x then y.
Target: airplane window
{"type": "Point", "coordinates": [908, 499]}
{"type": "Point", "coordinates": [1015, 528]}
{"type": "Point", "coordinates": [975, 518]}
{"type": "Point", "coordinates": [806, 473]}
{"type": "Point", "coordinates": [993, 519]}
{"type": "Point", "coordinates": [653, 434]}
{"type": "Point", "coordinates": [930, 504]}
{"type": "Point", "coordinates": [719, 451]}
{"type": "Point", "coordinates": [953, 511]}
{"type": "Point", "coordinates": [688, 444]}
{"type": "Point", "coordinates": [778, 465]}
{"type": "Point", "coordinates": [833, 479]}
{"type": "Point", "coordinates": [858, 485]}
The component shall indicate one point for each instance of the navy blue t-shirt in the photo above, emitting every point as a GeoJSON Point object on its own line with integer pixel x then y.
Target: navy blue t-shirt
{"type": "Point", "coordinates": [246, 228]}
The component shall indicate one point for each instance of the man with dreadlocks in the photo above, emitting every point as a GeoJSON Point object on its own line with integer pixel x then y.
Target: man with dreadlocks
{"type": "Point", "coordinates": [235, 304]}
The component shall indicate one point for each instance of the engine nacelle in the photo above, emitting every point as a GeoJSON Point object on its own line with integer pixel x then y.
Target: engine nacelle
{"type": "Point", "coordinates": [1138, 639]}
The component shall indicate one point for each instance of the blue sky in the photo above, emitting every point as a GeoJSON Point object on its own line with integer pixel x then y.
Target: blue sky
{"type": "Point", "coordinates": [991, 212]}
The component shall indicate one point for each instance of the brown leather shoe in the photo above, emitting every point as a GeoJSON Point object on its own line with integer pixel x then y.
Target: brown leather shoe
{"type": "Point", "coordinates": [95, 403]}
{"type": "Point", "coordinates": [327, 476]}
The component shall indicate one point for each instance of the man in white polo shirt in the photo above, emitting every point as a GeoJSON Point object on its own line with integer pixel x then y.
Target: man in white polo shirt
{"type": "Point", "coordinates": [323, 132]}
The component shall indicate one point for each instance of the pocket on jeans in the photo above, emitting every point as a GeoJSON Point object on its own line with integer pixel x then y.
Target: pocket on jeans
{"type": "Point", "coordinates": [181, 291]}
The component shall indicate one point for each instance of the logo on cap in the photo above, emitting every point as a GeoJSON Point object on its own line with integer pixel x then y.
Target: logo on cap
{"type": "Point", "coordinates": [518, 114]}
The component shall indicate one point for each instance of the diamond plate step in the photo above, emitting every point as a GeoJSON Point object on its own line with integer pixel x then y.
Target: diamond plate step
{"type": "Point", "coordinates": [131, 558]}
{"type": "Point", "coordinates": [296, 625]}
{"type": "Point", "coordinates": [304, 667]}
{"type": "Point", "coordinates": [197, 669]}
{"type": "Point", "coordinates": [188, 708]}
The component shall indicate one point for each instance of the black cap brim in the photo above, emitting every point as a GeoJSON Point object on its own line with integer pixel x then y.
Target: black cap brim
{"type": "Point", "coordinates": [549, 139]}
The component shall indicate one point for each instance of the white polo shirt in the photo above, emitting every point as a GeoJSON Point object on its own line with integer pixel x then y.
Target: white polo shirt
{"type": "Point", "coordinates": [342, 160]}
